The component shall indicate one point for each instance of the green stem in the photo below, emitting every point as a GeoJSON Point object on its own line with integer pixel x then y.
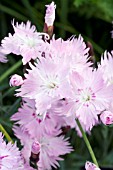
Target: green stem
{"type": "Point", "coordinates": [87, 143]}
{"type": "Point", "coordinates": [6, 134]}
{"type": "Point", "coordinates": [11, 70]}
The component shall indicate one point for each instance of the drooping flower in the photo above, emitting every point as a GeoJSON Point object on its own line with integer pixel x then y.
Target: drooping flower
{"type": "Point", "coordinates": [90, 96]}
{"type": "Point", "coordinates": [16, 80]}
{"type": "Point", "coordinates": [50, 14]}
{"type": "Point", "coordinates": [26, 41]}
{"type": "Point", "coordinates": [45, 148]}
{"type": "Point", "coordinates": [91, 166]}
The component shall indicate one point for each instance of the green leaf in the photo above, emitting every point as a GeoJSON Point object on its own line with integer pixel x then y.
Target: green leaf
{"type": "Point", "coordinates": [12, 12]}
{"type": "Point", "coordinates": [77, 3]}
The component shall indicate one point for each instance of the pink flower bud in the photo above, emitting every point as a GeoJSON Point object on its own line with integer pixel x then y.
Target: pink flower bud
{"type": "Point", "coordinates": [91, 166]}
{"type": "Point", "coordinates": [107, 117]}
{"type": "Point", "coordinates": [35, 147]}
{"type": "Point", "coordinates": [50, 14]}
{"type": "Point", "coordinates": [16, 80]}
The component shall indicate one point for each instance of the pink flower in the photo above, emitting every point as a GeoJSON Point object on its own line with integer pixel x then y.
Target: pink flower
{"type": "Point", "coordinates": [50, 14]}
{"type": "Point", "coordinates": [46, 79]}
{"type": "Point", "coordinates": [48, 155]}
{"type": "Point", "coordinates": [73, 52]}
{"type": "Point", "coordinates": [16, 80]}
{"type": "Point", "coordinates": [10, 156]}
{"type": "Point", "coordinates": [90, 96]}
{"type": "Point", "coordinates": [91, 166]}
{"type": "Point", "coordinates": [106, 117]}
{"type": "Point", "coordinates": [27, 118]}
{"type": "Point", "coordinates": [26, 41]}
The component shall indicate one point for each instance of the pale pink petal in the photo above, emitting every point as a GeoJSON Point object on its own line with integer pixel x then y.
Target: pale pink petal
{"type": "Point", "coordinates": [50, 14]}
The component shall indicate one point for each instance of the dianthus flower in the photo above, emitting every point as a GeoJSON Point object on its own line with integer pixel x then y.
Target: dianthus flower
{"type": "Point", "coordinates": [44, 147]}
{"type": "Point", "coordinates": [53, 123]}
{"type": "Point", "coordinates": [46, 79]}
{"type": "Point", "coordinates": [27, 118]}
{"type": "Point", "coordinates": [90, 96]}
{"type": "Point", "coordinates": [72, 52]}
{"type": "Point", "coordinates": [26, 41]}
{"type": "Point", "coordinates": [10, 157]}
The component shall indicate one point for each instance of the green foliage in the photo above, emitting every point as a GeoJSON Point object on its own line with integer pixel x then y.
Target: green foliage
{"type": "Point", "coordinates": [78, 3]}
{"type": "Point", "coordinates": [102, 9]}
{"type": "Point", "coordinates": [92, 19]}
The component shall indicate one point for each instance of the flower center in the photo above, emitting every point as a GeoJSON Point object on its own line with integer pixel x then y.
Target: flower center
{"type": "Point", "coordinates": [31, 43]}
{"type": "Point", "coordinates": [86, 95]}
{"type": "Point", "coordinates": [51, 85]}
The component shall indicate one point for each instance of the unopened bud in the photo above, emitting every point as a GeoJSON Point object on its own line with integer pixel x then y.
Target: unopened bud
{"type": "Point", "coordinates": [35, 147]}
{"type": "Point", "coordinates": [50, 14]}
{"type": "Point", "coordinates": [16, 80]}
{"type": "Point", "coordinates": [107, 117]}
{"type": "Point", "coordinates": [91, 166]}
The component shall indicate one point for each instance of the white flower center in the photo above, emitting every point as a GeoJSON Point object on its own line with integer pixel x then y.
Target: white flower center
{"type": "Point", "coordinates": [31, 43]}
{"type": "Point", "coordinates": [51, 85]}
{"type": "Point", "coordinates": [85, 96]}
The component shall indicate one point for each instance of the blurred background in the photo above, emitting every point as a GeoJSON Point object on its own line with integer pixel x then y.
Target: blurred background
{"type": "Point", "coordinates": [90, 18]}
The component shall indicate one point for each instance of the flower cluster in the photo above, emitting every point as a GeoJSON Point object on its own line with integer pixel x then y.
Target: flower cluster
{"type": "Point", "coordinates": [59, 86]}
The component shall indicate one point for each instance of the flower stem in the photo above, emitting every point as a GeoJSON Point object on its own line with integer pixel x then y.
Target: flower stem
{"type": "Point", "coordinates": [6, 134]}
{"type": "Point", "coordinates": [10, 71]}
{"type": "Point", "coordinates": [87, 143]}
